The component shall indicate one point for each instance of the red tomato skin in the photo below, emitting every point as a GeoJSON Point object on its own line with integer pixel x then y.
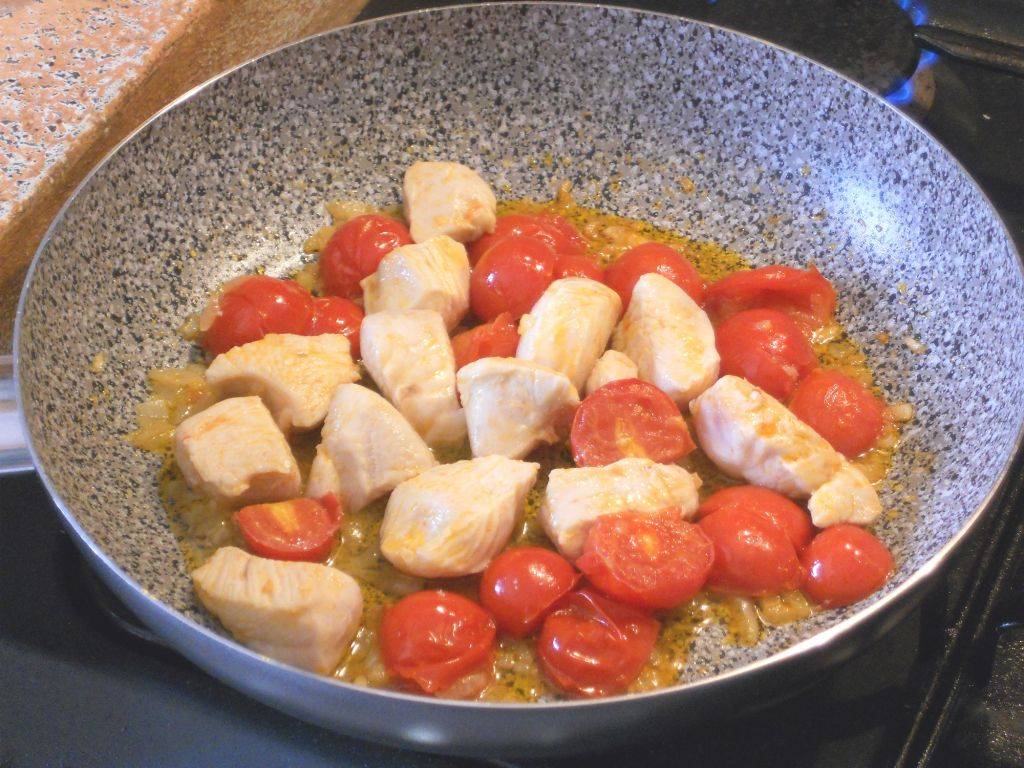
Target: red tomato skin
{"type": "Point", "coordinates": [435, 638]}
{"type": "Point", "coordinates": [628, 417]}
{"type": "Point", "coordinates": [771, 505]}
{"type": "Point", "coordinates": [804, 294]}
{"type": "Point", "coordinates": [622, 274]}
{"type": "Point", "coordinates": [356, 248]}
{"type": "Point", "coordinates": [510, 277]}
{"type": "Point", "coordinates": [250, 307]}
{"type": "Point", "coordinates": [564, 239]}
{"type": "Point", "coordinates": [767, 348]}
{"type": "Point", "coordinates": [308, 533]}
{"type": "Point", "coordinates": [578, 266]}
{"type": "Point", "coordinates": [333, 314]}
{"type": "Point", "coordinates": [592, 646]}
{"type": "Point", "coordinates": [652, 561]}
{"type": "Point", "coordinates": [845, 564]}
{"type": "Point", "coordinates": [840, 410]}
{"type": "Point", "coordinates": [753, 556]}
{"type": "Point", "coordinates": [498, 338]}
{"type": "Point", "coordinates": [520, 585]}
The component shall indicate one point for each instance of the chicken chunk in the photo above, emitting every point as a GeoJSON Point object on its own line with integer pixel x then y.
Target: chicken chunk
{"type": "Point", "coordinates": [444, 198]}
{"type": "Point", "coordinates": [304, 614]}
{"type": "Point", "coordinates": [235, 453]}
{"type": "Point", "coordinates": [748, 433]}
{"type": "Point", "coordinates": [430, 275]}
{"type": "Point", "coordinates": [848, 497]}
{"type": "Point", "coordinates": [295, 375]}
{"type": "Point", "coordinates": [575, 498]}
{"type": "Point", "coordinates": [452, 519]}
{"type": "Point", "coordinates": [569, 326]}
{"type": "Point", "coordinates": [670, 339]}
{"type": "Point", "coordinates": [367, 448]}
{"type": "Point", "coordinates": [409, 356]}
{"type": "Point", "coordinates": [611, 366]}
{"type": "Point", "coordinates": [512, 406]}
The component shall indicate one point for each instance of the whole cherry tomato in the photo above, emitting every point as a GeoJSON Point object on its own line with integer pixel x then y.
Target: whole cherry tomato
{"type": "Point", "coordinates": [511, 276]}
{"type": "Point", "coordinates": [767, 348]}
{"type": "Point", "coordinates": [249, 308]}
{"type": "Point", "coordinates": [769, 504]}
{"type": "Point", "coordinates": [803, 294]}
{"type": "Point", "coordinates": [622, 274]}
{"type": "Point", "coordinates": [840, 410]}
{"type": "Point", "coordinates": [845, 564]}
{"type": "Point", "coordinates": [333, 314]}
{"type": "Point", "coordinates": [753, 555]}
{"type": "Point", "coordinates": [498, 338]}
{"type": "Point", "coordinates": [521, 584]}
{"type": "Point", "coordinates": [300, 529]}
{"type": "Point", "coordinates": [563, 238]}
{"type": "Point", "coordinates": [355, 250]}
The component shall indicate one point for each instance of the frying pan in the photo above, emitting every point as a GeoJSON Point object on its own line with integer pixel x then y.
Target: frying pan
{"type": "Point", "coordinates": [707, 132]}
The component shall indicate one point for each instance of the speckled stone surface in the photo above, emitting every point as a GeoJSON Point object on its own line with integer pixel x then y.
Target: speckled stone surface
{"type": "Point", "coordinates": [790, 164]}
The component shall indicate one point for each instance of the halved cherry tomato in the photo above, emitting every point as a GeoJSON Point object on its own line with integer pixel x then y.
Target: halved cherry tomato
{"type": "Point", "coordinates": [498, 338]}
{"type": "Point", "coordinates": [564, 239]}
{"type": "Point", "coordinates": [840, 410]}
{"type": "Point", "coordinates": [249, 308]}
{"type": "Point", "coordinates": [803, 294]}
{"type": "Point", "coordinates": [845, 564]}
{"type": "Point", "coordinates": [521, 585]}
{"type": "Point", "coordinates": [300, 529]}
{"type": "Point", "coordinates": [767, 348]}
{"type": "Point", "coordinates": [333, 314]}
{"type": "Point", "coordinates": [355, 250]}
{"type": "Point", "coordinates": [628, 418]}
{"type": "Point", "coordinates": [769, 504]}
{"type": "Point", "coordinates": [435, 638]}
{"type": "Point", "coordinates": [623, 273]}
{"type": "Point", "coordinates": [593, 646]}
{"type": "Point", "coordinates": [650, 560]}
{"type": "Point", "coordinates": [511, 276]}
{"type": "Point", "coordinates": [578, 266]}
{"type": "Point", "coordinates": [753, 555]}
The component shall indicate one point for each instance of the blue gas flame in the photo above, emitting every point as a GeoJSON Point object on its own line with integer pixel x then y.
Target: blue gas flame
{"type": "Point", "coordinates": [903, 93]}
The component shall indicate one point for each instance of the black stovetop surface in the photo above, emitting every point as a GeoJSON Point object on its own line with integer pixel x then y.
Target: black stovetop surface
{"type": "Point", "coordinates": [944, 688]}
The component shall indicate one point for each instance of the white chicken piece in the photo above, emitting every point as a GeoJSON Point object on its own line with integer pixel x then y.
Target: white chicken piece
{"type": "Point", "coordinates": [512, 406]}
{"type": "Point", "coordinates": [569, 327]}
{"type": "Point", "coordinates": [443, 198]}
{"type": "Point", "coordinates": [576, 497]}
{"type": "Point", "coordinates": [367, 448]}
{"type": "Point", "coordinates": [409, 356]}
{"type": "Point", "coordinates": [848, 497]}
{"type": "Point", "coordinates": [748, 433]}
{"type": "Point", "coordinates": [294, 375]}
{"type": "Point", "coordinates": [611, 366]}
{"type": "Point", "coordinates": [452, 519]}
{"type": "Point", "coordinates": [235, 453]}
{"type": "Point", "coordinates": [670, 339]}
{"type": "Point", "coordinates": [304, 614]}
{"type": "Point", "coordinates": [430, 275]}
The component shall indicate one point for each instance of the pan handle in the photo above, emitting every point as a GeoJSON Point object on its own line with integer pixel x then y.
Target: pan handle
{"type": "Point", "coordinates": [14, 455]}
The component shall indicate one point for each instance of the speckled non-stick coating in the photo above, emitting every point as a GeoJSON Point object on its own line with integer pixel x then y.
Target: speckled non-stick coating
{"type": "Point", "coordinates": [789, 163]}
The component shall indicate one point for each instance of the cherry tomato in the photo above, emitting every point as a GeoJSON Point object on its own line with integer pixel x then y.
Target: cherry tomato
{"type": "Point", "coordinates": [355, 250]}
{"type": "Point", "coordinates": [623, 273]}
{"type": "Point", "coordinates": [840, 410]}
{"type": "Point", "coordinates": [578, 266]}
{"type": "Point", "coordinates": [650, 560]}
{"type": "Point", "coordinates": [769, 504]}
{"type": "Point", "coordinates": [520, 586]}
{"type": "Point", "coordinates": [845, 564]}
{"type": "Point", "coordinates": [803, 294]}
{"type": "Point", "coordinates": [593, 646]}
{"type": "Point", "coordinates": [511, 276]}
{"type": "Point", "coordinates": [435, 638]}
{"type": "Point", "coordinates": [753, 555]}
{"type": "Point", "coordinates": [333, 314]}
{"type": "Point", "coordinates": [767, 348]}
{"type": "Point", "coordinates": [628, 418]}
{"type": "Point", "coordinates": [564, 239]}
{"type": "Point", "coordinates": [300, 529]}
{"type": "Point", "coordinates": [498, 338]}
{"type": "Point", "coordinates": [249, 308]}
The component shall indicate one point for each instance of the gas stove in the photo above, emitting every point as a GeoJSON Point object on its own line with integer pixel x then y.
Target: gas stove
{"type": "Point", "coordinates": [85, 685]}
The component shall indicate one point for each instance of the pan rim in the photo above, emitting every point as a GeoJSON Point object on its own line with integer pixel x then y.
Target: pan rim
{"type": "Point", "coordinates": [819, 642]}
